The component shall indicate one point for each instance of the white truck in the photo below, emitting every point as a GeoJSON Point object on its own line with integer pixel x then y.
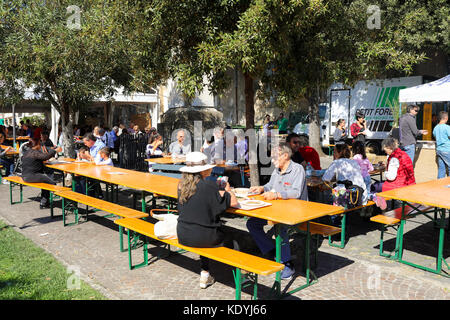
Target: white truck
{"type": "Point", "coordinates": [373, 98]}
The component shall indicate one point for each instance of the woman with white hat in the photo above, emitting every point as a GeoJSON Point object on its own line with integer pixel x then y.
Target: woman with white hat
{"type": "Point", "coordinates": [200, 203]}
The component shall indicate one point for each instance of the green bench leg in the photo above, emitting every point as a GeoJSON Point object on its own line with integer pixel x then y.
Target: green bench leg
{"type": "Point", "coordinates": [244, 280]}
{"type": "Point", "coordinates": [397, 241]}
{"type": "Point", "coordinates": [341, 245]}
{"type": "Point", "coordinates": [11, 186]}
{"type": "Point", "coordinates": [130, 262]}
{"type": "Point", "coordinates": [70, 207]}
{"type": "Point", "coordinates": [51, 204]}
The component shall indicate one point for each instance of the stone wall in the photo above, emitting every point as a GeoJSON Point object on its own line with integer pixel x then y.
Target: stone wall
{"type": "Point", "coordinates": [184, 117]}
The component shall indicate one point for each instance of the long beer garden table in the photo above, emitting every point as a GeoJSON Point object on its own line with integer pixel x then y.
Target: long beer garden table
{"type": "Point", "coordinates": [176, 162]}
{"type": "Point", "coordinates": [288, 212]}
{"type": "Point", "coordinates": [434, 193]}
{"type": "Point", "coordinates": [146, 182]}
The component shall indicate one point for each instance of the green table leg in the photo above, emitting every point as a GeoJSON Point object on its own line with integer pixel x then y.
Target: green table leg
{"type": "Point", "coordinates": [341, 245]}
{"type": "Point", "coordinates": [439, 259]}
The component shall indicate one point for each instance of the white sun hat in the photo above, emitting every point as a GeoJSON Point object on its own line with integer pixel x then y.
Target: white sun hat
{"type": "Point", "coordinates": [196, 162]}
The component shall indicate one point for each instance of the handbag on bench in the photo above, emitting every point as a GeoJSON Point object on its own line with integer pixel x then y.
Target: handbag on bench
{"type": "Point", "coordinates": [347, 195]}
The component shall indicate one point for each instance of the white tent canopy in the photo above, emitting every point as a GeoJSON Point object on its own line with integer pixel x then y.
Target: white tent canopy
{"type": "Point", "coordinates": [435, 91]}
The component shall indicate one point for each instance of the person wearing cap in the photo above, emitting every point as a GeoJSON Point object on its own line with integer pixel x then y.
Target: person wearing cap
{"type": "Point", "coordinates": [288, 181]}
{"type": "Point", "coordinates": [200, 204]}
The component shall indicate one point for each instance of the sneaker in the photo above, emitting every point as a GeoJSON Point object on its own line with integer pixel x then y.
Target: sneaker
{"type": "Point", "coordinates": [206, 281]}
{"type": "Point", "coordinates": [380, 202]}
{"type": "Point", "coordinates": [287, 272]}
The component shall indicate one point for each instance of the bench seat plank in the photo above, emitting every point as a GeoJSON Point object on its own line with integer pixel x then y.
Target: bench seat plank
{"type": "Point", "coordinates": [318, 228]}
{"type": "Point", "coordinates": [225, 255]}
{"type": "Point", "coordinates": [40, 185]}
{"type": "Point", "coordinates": [102, 204]}
{"type": "Point", "coordinates": [394, 216]}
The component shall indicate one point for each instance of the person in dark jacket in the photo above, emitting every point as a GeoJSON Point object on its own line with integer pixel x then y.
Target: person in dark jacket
{"type": "Point", "coordinates": [200, 204]}
{"type": "Point", "coordinates": [33, 167]}
{"type": "Point", "coordinates": [6, 161]}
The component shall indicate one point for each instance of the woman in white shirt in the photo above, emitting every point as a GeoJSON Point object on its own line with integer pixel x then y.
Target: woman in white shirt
{"type": "Point", "coordinates": [343, 168]}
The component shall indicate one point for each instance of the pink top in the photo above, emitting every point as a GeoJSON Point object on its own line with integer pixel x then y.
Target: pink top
{"type": "Point", "coordinates": [364, 164]}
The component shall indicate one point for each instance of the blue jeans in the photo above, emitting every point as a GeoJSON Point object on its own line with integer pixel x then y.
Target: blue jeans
{"type": "Point", "coordinates": [410, 151]}
{"type": "Point", "coordinates": [264, 240]}
{"type": "Point", "coordinates": [443, 159]}
{"type": "Point", "coordinates": [9, 166]}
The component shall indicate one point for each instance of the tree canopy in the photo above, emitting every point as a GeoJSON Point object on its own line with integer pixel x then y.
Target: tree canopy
{"type": "Point", "coordinates": [65, 50]}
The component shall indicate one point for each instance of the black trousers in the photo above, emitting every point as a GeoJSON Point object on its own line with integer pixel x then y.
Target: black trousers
{"type": "Point", "coordinates": [228, 242]}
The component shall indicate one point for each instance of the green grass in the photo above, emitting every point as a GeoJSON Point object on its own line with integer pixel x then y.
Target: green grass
{"type": "Point", "coordinates": [27, 272]}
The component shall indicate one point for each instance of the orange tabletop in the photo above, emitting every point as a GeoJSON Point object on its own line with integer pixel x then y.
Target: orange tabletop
{"type": "Point", "coordinates": [434, 193]}
{"type": "Point", "coordinates": [165, 160]}
{"type": "Point", "coordinates": [290, 212]}
{"type": "Point", "coordinates": [10, 153]}
{"type": "Point", "coordinates": [165, 186]}
{"type": "Point", "coordinates": [169, 160]}
{"type": "Point", "coordinates": [19, 138]}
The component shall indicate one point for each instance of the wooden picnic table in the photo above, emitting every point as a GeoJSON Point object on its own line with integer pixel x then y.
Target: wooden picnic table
{"type": "Point", "coordinates": [152, 183]}
{"type": "Point", "coordinates": [19, 138]}
{"type": "Point", "coordinates": [166, 160]}
{"type": "Point", "coordinates": [288, 212]}
{"type": "Point", "coordinates": [14, 152]}
{"type": "Point", "coordinates": [435, 194]}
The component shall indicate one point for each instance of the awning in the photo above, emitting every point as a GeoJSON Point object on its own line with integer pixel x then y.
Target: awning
{"type": "Point", "coordinates": [438, 90]}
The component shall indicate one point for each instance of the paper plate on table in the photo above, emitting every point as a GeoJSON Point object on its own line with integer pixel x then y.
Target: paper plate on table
{"type": "Point", "coordinates": [241, 192]}
{"type": "Point", "coordinates": [253, 203]}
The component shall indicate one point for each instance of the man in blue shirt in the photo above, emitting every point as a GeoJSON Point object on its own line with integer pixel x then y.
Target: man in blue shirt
{"type": "Point", "coordinates": [442, 133]}
{"type": "Point", "coordinates": [94, 146]}
{"type": "Point", "coordinates": [288, 181]}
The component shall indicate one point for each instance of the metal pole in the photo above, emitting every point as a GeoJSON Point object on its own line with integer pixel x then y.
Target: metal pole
{"type": "Point", "coordinates": [14, 124]}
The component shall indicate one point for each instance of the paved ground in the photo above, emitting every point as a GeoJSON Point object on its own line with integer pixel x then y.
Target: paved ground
{"type": "Point", "coordinates": [356, 272]}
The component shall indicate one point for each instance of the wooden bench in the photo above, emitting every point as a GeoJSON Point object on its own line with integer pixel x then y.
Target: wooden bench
{"type": "Point", "coordinates": [16, 180]}
{"type": "Point", "coordinates": [112, 208]}
{"type": "Point", "coordinates": [318, 229]}
{"type": "Point", "coordinates": [341, 245]}
{"type": "Point", "coordinates": [240, 260]}
{"type": "Point", "coordinates": [391, 219]}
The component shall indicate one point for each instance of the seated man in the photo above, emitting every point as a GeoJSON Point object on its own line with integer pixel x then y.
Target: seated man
{"type": "Point", "coordinates": [94, 146]}
{"type": "Point", "coordinates": [177, 148]}
{"type": "Point", "coordinates": [294, 141]}
{"type": "Point", "coordinates": [287, 181]}
{"type": "Point", "coordinates": [308, 153]}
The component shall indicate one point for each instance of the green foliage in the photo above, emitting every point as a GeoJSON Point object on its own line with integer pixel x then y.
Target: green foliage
{"type": "Point", "coordinates": [67, 66]}
{"type": "Point", "coordinates": [36, 120]}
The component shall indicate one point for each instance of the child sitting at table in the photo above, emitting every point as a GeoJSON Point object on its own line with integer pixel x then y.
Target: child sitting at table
{"type": "Point", "coordinates": [359, 154]}
{"type": "Point", "coordinates": [82, 151]}
{"type": "Point", "coordinates": [104, 157]}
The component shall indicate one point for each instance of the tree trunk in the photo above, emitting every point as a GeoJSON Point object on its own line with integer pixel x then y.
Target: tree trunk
{"type": "Point", "coordinates": [314, 126]}
{"type": "Point", "coordinates": [67, 118]}
{"type": "Point", "coordinates": [250, 122]}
